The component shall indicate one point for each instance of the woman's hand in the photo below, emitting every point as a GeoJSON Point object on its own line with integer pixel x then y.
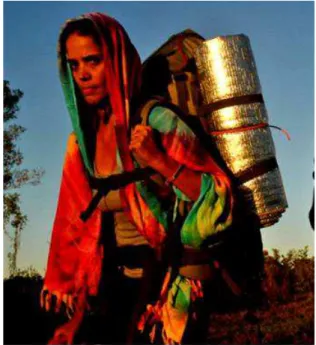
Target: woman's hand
{"type": "Point", "coordinates": [143, 145]}
{"type": "Point", "coordinates": [147, 153]}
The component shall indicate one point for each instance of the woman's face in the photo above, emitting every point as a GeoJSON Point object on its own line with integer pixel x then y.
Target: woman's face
{"type": "Point", "coordinates": [88, 67]}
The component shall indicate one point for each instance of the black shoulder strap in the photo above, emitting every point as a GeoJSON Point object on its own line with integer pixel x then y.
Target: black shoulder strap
{"type": "Point", "coordinates": [113, 182]}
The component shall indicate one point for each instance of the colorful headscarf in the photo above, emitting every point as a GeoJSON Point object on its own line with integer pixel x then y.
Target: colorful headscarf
{"type": "Point", "coordinates": [123, 74]}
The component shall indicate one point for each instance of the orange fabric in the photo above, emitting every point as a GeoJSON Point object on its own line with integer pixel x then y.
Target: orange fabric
{"type": "Point", "coordinates": [69, 267]}
{"type": "Point", "coordinates": [74, 256]}
{"type": "Point", "coordinates": [74, 263]}
{"type": "Point", "coordinates": [192, 154]}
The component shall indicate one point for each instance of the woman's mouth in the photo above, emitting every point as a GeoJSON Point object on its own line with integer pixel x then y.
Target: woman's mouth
{"type": "Point", "coordinates": [89, 91]}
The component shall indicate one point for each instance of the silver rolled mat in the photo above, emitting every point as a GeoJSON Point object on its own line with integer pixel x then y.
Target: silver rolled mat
{"type": "Point", "coordinates": [238, 122]}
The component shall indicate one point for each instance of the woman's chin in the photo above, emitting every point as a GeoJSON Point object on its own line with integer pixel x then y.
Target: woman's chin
{"type": "Point", "coordinates": [92, 100]}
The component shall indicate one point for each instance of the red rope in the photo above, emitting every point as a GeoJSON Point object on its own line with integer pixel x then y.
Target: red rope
{"type": "Point", "coordinates": [249, 128]}
{"type": "Point", "coordinates": [284, 131]}
{"type": "Point", "coordinates": [240, 129]}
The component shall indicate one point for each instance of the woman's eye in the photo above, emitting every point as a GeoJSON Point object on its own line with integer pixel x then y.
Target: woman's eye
{"type": "Point", "coordinates": [94, 61]}
{"type": "Point", "coordinates": [73, 66]}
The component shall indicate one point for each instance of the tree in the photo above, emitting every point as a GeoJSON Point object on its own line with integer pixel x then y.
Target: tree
{"type": "Point", "coordinates": [14, 177]}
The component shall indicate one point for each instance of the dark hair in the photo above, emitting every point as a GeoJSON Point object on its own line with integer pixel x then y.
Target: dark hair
{"type": "Point", "coordinates": [85, 27]}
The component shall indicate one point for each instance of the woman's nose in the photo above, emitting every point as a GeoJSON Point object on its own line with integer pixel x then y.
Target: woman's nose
{"type": "Point", "coordinates": [84, 73]}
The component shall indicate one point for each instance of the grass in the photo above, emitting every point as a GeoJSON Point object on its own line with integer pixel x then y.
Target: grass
{"type": "Point", "coordinates": [288, 323]}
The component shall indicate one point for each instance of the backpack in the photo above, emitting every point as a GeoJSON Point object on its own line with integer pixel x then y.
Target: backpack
{"type": "Point", "coordinates": [169, 79]}
{"type": "Point", "coordinates": [170, 72]}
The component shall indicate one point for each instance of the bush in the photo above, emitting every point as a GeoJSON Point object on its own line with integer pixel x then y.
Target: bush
{"type": "Point", "coordinates": [288, 275]}
{"type": "Point", "coordinates": [24, 321]}
{"type": "Point", "coordinates": [28, 272]}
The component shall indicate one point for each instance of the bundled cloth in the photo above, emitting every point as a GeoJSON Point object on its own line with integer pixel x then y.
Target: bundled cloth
{"type": "Point", "coordinates": [238, 122]}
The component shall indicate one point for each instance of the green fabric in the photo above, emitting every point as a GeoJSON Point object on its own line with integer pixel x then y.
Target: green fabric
{"type": "Point", "coordinates": [179, 294]}
{"type": "Point", "coordinates": [153, 203]}
{"type": "Point", "coordinates": [166, 121]}
{"type": "Point", "coordinates": [180, 195]}
{"type": "Point", "coordinates": [201, 222]}
{"type": "Point", "coordinates": [68, 87]}
{"type": "Point", "coordinates": [73, 109]}
{"type": "Point", "coordinates": [203, 219]}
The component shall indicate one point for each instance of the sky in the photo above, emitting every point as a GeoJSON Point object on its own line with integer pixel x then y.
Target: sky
{"type": "Point", "coordinates": [282, 40]}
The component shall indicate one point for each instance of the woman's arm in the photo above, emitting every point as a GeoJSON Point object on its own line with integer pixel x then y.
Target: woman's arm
{"type": "Point", "coordinates": [201, 181]}
{"type": "Point", "coordinates": [145, 149]}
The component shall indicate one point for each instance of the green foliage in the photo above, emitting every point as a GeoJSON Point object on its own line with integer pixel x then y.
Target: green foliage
{"type": "Point", "coordinates": [276, 254]}
{"type": "Point", "coordinates": [29, 272]}
{"type": "Point", "coordinates": [14, 177]}
{"type": "Point", "coordinates": [287, 275]}
{"type": "Point", "coordinates": [301, 270]}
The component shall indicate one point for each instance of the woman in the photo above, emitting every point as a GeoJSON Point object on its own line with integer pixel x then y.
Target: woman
{"type": "Point", "coordinates": [100, 74]}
